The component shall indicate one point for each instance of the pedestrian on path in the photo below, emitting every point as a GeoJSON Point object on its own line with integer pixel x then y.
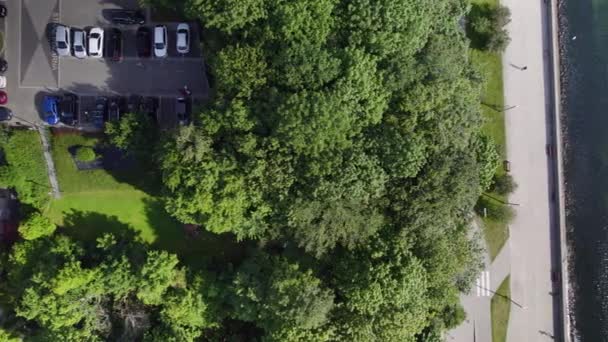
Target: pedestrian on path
{"type": "Point", "coordinates": [525, 67]}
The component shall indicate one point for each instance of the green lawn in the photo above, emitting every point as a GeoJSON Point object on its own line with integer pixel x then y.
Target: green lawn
{"type": "Point", "coordinates": [25, 169]}
{"type": "Point", "coordinates": [501, 307]}
{"type": "Point", "coordinates": [94, 202]}
{"type": "Point", "coordinates": [492, 105]}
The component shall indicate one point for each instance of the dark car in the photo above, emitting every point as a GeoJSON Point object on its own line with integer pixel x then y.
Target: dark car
{"type": "Point", "coordinates": [113, 110]}
{"type": "Point", "coordinates": [150, 108]}
{"type": "Point", "coordinates": [144, 42]}
{"type": "Point", "coordinates": [3, 65]}
{"type": "Point", "coordinates": [127, 17]}
{"type": "Point", "coordinates": [5, 114]}
{"type": "Point", "coordinates": [134, 104]}
{"type": "Point", "coordinates": [98, 116]}
{"type": "Point", "coordinates": [115, 45]}
{"type": "Point", "coordinates": [68, 108]}
{"type": "Point", "coordinates": [183, 108]}
{"type": "Point", "coordinates": [3, 11]}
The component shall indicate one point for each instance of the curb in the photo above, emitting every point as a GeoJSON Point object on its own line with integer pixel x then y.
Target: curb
{"type": "Point", "coordinates": [556, 172]}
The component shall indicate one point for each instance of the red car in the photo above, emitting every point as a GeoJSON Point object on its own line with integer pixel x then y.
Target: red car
{"type": "Point", "coordinates": [3, 97]}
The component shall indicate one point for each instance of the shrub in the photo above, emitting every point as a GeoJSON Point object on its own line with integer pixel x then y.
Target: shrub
{"type": "Point", "coordinates": [485, 27]}
{"type": "Point", "coordinates": [85, 154]}
{"type": "Point", "coordinates": [503, 184]}
{"type": "Point", "coordinates": [36, 226]}
{"type": "Point", "coordinates": [453, 315]}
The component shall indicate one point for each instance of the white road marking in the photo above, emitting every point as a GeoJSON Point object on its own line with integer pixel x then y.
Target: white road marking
{"type": "Point", "coordinates": [487, 283]}
{"type": "Point", "coordinates": [483, 284]}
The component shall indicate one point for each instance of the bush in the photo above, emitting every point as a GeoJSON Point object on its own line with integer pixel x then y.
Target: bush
{"type": "Point", "coordinates": [485, 27]}
{"type": "Point", "coordinates": [503, 184]}
{"type": "Point", "coordinates": [85, 154]}
{"type": "Point", "coordinates": [36, 226]}
{"type": "Point", "coordinates": [25, 169]}
{"type": "Point", "coordinates": [453, 316]}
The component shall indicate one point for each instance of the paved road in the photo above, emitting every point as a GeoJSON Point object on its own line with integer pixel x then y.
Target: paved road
{"type": "Point", "coordinates": [527, 137]}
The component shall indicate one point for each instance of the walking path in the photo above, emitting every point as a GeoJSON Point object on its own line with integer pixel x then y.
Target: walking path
{"type": "Point", "coordinates": [529, 137]}
{"type": "Point", "coordinates": [50, 166]}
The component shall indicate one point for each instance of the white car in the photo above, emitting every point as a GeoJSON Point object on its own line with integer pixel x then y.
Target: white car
{"type": "Point", "coordinates": [79, 42]}
{"type": "Point", "coordinates": [183, 38]}
{"type": "Point", "coordinates": [62, 40]}
{"type": "Point", "coordinates": [160, 41]}
{"type": "Point", "coordinates": [2, 82]}
{"type": "Point", "coordinates": [96, 42]}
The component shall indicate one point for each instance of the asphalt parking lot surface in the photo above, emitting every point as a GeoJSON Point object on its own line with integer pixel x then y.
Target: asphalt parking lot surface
{"type": "Point", "coordinates": [35, 70]}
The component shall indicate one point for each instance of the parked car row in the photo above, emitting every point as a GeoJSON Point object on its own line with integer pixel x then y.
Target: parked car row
{"type": "Point", "coordinates": [82, 44]}
{"type": "Point", "coordinates": [65, 108]}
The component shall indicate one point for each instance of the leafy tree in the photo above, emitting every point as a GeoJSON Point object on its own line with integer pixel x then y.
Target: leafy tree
{"type": "Point", "coordinates": [157, 274]}
{"type": "Point", "coordinates": [382, 293]}
{"type": "Point", "coordinates": [6, 336]}
{"type": "Point", "coordinates": [36, 226]}
{"type": "Point", "coordinates": [486, 25]}
{"type": "Point", "coordinates": [503, 184]}
{"type": "Point", "coordinates": [279, 297]}
{"type": "Point", "coordinates": [227, 15]}
{"type": "Point", "coordinates": [76, 293]}
{"type": "Point", "coordinates": [133, 133]}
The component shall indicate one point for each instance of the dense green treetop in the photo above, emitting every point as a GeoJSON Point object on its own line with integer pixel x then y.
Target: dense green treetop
{"type": "Point", "coordinates": [341, 136]}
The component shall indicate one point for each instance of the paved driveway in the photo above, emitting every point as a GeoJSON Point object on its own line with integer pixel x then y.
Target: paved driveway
{"type": "Point", "coordinates": [38, 63]}
{"type": "Point", "coordinates": [83, 13]}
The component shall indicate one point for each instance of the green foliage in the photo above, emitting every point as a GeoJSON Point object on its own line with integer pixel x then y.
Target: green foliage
{"type": "Point", "coordinates": [6, 336]}
{"type": "Point", "coordinates": [488, 158]}
{"type": "Point", "coordinates": [133, 133]}
{"type": "Point", "coordinates": [503, 184]}
{"type": "Point", "coordinates": [85, 154]}
{"type": "Point", "coordinates": [383, 294]}
{"type": "Point", "coordinates": [227, 15]}
{"type": "Point", "coordinates": [453, 316]}
{"type": "Point", "coordinates": [485, 27]}
{"type": "Point", "coordinates": [25, 169]}
{"type": "Point", "coordinates": [279, 297]}
{"type": "Point", "coordinates": [157, 275]}
{"type": "Point", "coordinates": [348, 147]}
{"type": "Point", "coordinates": [75, 293]}
{"type": "Point", "coordinates": [36, 226]}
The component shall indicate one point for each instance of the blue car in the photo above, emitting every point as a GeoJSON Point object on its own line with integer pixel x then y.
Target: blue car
{"type": "Point", "coordinates": [51, 112]}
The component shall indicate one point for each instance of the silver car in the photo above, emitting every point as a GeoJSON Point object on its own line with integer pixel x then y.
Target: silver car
{"type": "Point", "coordinates": [160, 41]}
{"type": "Point", "coordinates": [182, 43]}
{"type": "Point", "coordinates": [96, 42]}
{"type": "Point", "coordinates": [62, 40]}
{"type": "Point", "coordinates": [80, 44]}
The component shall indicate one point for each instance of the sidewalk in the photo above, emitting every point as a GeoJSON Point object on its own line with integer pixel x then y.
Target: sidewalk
{"type": "Point", "coordinates": [527, 138]}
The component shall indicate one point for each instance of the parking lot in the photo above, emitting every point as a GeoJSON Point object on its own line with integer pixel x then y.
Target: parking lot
{"type": "Point", "coordinates": [35, 69]}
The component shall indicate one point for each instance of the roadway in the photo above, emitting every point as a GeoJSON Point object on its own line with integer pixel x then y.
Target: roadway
{"type": "Point", "coordinates": [532, 233]}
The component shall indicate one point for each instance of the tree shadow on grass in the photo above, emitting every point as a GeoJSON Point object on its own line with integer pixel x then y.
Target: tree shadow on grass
{"type": "Point", "coordinates": [88, 226]}
{"type": "Point", "coordinates": [201, 250]}
{"type": "Point", "coordinates": [197, 247]}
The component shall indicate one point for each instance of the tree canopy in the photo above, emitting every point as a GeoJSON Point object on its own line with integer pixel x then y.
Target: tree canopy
{"type": "Point", "coordinates": [341, 141]}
